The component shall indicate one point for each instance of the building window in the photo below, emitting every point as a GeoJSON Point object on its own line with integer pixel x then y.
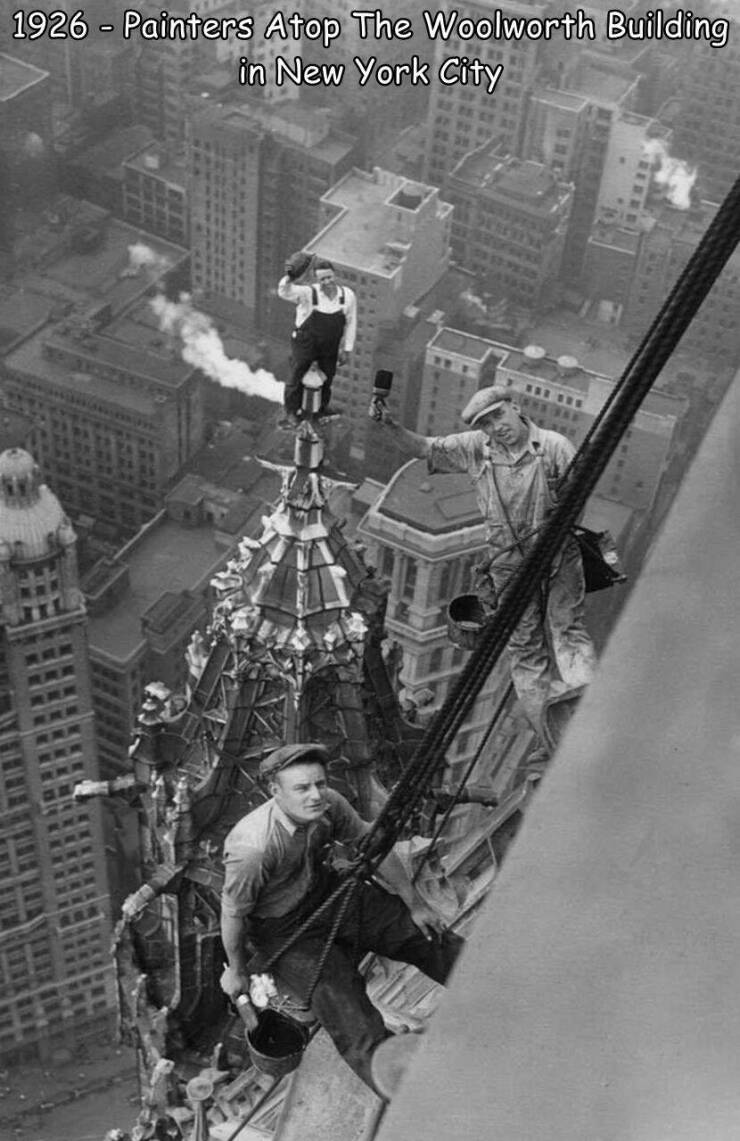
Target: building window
{"type": "Point", "coordinates": [409, 579]}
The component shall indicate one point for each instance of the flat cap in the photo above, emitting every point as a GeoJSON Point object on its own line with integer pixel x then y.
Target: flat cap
{"type": "Point", "coordinates": [484, 400]}
{"type": "Point", "coordinates": [286, 755]}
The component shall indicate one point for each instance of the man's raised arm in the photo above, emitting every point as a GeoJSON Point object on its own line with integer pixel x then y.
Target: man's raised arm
{"type": "Point", "coordinates": [410, 442]}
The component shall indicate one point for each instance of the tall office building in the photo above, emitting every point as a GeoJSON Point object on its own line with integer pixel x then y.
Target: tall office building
{"type": "Point", "coordinates": [669, 240]}
{"type": "Point", "coordinates": [165, 69]}
{"type": "Point", "coordinates": [115, 423]}
{"type": "Point", "coordinates": [256, 176]}
{"type": "Point", "coordinates": [55, 975]}
{"type": "Point", "coordinates": [628, 166]}
{"type": "Point", "coordinates": [510, 223]}
{"type": "Point", "coordinates": [464, 116]}
{"type": "Point", "coordinates": [707, 132]}
{"type": "Point", "coordinates": [570, 129]}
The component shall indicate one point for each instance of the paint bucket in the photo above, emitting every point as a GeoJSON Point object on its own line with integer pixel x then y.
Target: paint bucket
{"type": "Point", "coordinates": [277, 1043]}
{"type": "Point", "coordinates": [466, 619]}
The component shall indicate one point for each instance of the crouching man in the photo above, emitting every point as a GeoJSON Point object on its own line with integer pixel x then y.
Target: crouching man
{"type": "Point", "coordinates": [276, 877]}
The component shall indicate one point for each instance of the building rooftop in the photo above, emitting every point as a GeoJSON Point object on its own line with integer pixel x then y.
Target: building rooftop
{"type": "Point", "coordinates": [109, 155]}
{"type": "Point", "coordinates": [435, 504]}
{"type": "Point", "coordinates": [566, 100]}
{"type": "Point", "coordinates": [569, 373]}
{"type": "Point", "coordinates": [167, 369]}
{"type": "Point", "coordinates": [616, 236]}
{"type": "Point", "coordinates": [598, 82]}
{"type": "Point", "coordinates": [228, 462]}
{"type": "Point", "coordinates": [29, 360]}
{"type": "Point", "coordinates": [547, 369]}
{"type": "Point", "coordinates": [101, 271]}
{"type": "Point", "coordinates": [104, 273]}
{"type": "Point", "coordinates": [463, 344]}
{"type": "Point", "coordinates": [21, 311]}
{"type": "Point", "coordinates": [16, 76]}
{"type": "Point", "coordinates": [308, 128]}
{"type": "Point", "coordinates": [529, 182]}
{"type": "Point", "coordinates": [368, 230]}
{"type": "Point", "coordinates": [164, 559]}
{"type": "Point", "coordinates": [683, 225]}
{"type": "Point", "coordinates": [156, 161]}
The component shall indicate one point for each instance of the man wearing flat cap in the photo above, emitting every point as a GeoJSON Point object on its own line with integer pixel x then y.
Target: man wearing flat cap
{"type": "Point", "coordinates": [515, 468]}
{"type": "Point", "coordinates": [277, 876]}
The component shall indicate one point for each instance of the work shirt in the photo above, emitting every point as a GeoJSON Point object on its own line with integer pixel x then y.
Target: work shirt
{"type": "Point", "coordinates": [302, 297]}
{"type": "Point", "coordinates": [271, 863]}
{"type": "Point", "coordinates": [523, 483]}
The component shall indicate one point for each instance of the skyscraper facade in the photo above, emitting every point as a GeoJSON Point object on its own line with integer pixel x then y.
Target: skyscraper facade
{"type": "Point", "coordinates": [464, 116]}
{"type": "Point", "coordinates": [56, 980]}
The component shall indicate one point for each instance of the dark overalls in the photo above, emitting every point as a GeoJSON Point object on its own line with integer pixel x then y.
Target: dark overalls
{"type": "Point", "coordinates": [317, 341]}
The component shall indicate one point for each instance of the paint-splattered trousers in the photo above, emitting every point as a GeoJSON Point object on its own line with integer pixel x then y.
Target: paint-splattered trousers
{"type": "Point", "coordinates": [550, 651]}
{"type": "Point", "coordinates": [376, 921]}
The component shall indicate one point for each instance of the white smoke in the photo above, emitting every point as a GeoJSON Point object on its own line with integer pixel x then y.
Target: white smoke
{"type": "Point", "coordinates": [674, 175]}
{"type": "Point", "coordinates": [141, 256]}
{"type": "Point", "coordinates": [202, 347]}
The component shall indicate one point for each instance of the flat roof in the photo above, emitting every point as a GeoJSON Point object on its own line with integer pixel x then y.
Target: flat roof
{"type": "Point", "coordinates": [432, 503]}
{"type": "Point", "coordinates": [110, 154]}
{"type": "Point", "coordinates": [364, 221]}
{"type": "Point", "coordinates": [546, 369]}
{"type": "Point", "coordinates": [170, 167]}
{"type": "Point", "coordinates": [166, 559]}
{"type": "Point", "coordinates": [100, 273]}
{"type": "Point", "coordinates": [600, 84]}
{"type": "Point", "coordinates": [168, 370]}
{"type": "Point", "coordinates": [16, 76]}
{"type": "Point", "coordinates": [612, 234]}
{"type": "Point", "coordinates": [565, 100]}
{"type": "Point", "coordinates": [21, 311]}
{"type": "Point", "coordinates": [464, 344]}
{"type": "Point", "coordinates": [29, 360]}
{"type": "Point", "coordinates": [527, 180]}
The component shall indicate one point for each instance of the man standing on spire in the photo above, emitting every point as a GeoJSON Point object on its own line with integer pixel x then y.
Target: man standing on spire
{"type": "Point", "coordinates": [325, 326]}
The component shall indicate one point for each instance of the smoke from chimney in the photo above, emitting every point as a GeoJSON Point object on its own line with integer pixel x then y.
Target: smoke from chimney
{"type": "Point", "coordinates": [141, 256]}
{"type": "Point", "coordinates": [674, 175]}
{"type": "Point", "coordinates": [202, 347]}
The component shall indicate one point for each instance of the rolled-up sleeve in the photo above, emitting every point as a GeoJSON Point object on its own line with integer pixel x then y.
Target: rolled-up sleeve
{"type": "Point", "coordinates": [289, 291]}
{"type": "Point", "coordinates": [243, 879]}
{"type": "Point", "coordinates": [461, 451]}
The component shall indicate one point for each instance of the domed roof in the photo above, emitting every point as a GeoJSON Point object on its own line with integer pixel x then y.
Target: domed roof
{"type": "Point", "coordinates": [29, 512]}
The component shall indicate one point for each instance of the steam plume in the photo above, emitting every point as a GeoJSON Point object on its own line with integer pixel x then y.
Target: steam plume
{"type": "Point", "coordinates": [141, 256]}
{"type": "Point", "coordinates": [676, 176]}
{"type": "Point", "coordinates": [202, 347]}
